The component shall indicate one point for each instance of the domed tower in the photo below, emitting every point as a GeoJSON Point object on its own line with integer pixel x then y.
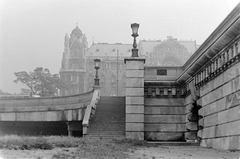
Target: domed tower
{"type": "Point", "coordinates": [73, 68]}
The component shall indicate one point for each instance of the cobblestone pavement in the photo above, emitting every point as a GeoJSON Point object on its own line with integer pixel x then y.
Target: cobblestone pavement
{"type": "Point", "coordinates": [182, 152]}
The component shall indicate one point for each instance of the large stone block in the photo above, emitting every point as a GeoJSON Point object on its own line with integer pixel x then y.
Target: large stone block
{"type": "Point", "coordinates": [134, 73]}
{"type": "Point", "coordinates": [135, 127]}
{"type": "Point", "coordinates": [164, 110]}
{"type": "Point", "coordinates": [135, 135]}
{"type": "Point", "coordinates": [208, 87]}
{"type": "Point", "coordinates": [192, 117]}
{"type": "Point", "coordinates": [69, 115]}
{"type": "Point", "coordinates": [187, 100]}
{"type": "Point", "coordinates": [7, 117]}
{"type": "Point", "coordinates": [134, 100]}
{"type": "Point", "coordinates": [164, 136]}
{"type": "Point", "coordinates": [211, 120]}
{"type": "Point", "coordinates": [227, 89]}
{"type": "Point", "coordinates": [233, 128]}
{"type": "Point", "coordinates": [191, 135]}
{"type": "Point", "coordinates": [164, 118]}
{"type": "Point", "coordinates": [134, 92]}
{"type": "Point", "coordinates": [188, 108]}
{"type": "Point", "coordinates": [235, 84]}
{"type": "Point", "coordinates": [52, 116]}
{"type": "Point", "coordinates": [192, 126]}
{"type": "Point", "coordinates": [218, 81]}
{"type": "Point", "coordinates": [164, 101]}
{"type": "Point", "coordinates": [216, 94]}
{"type": "Point", "coordinates": [134, 82]}
{"type": "Point", "coordinates": [136, 109]}
{"type": "Point", "coordinates": [232, 72]}
{"type": "Point", "coordinates": [234, 142]}
{"type": "Point", "coordinates": [233, 100]}
{"type": "Point", "coordinates": [220, 143]}
{"type": "Point", "coordinates": [205, 99]}
{"type": "Point", "coordinates": [39, 116]}
{"type": "Point", "coordinates": [164, 127]}
{"type": "Point", "coordinates": [199, 133]}
{"type": "Point", "coordinates": [209, 132]}
{"type": "Point", "coordinates": [135, 118]}
{"type": "Point", "coordinates": [80, 114]}
{"type": "Point", "coordinates": [229, 115]}
{"type": "Point", "coordinates": [134, 65]}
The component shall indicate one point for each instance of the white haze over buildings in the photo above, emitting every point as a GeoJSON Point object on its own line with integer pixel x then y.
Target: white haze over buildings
{"type": "Point", "coordinates": [32, 31]}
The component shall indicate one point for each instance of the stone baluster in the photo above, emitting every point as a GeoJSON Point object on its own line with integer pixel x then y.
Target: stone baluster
{"type": "Point", "coordinates": [157, 91]}
{"type": "Point", "coordinates": [229, 55]}
{"type": "Point", "coordinates": [238, 47]}
{"type": "Point", "coordinates": [235, 49]}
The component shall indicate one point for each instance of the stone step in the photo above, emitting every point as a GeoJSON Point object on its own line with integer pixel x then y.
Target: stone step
{"type": "Point", "coordinates": [109, 119]}
{"type": "Point", "coordinates": [169, 143]}
{"type": "Point", "coordinates": [102, 132]}
{"type": "Point", "coordinates": [106, 138]}
{"type": "Point", "coordinates": [108, 128]}
{"type": "Point", "coordinates": [106, 134]}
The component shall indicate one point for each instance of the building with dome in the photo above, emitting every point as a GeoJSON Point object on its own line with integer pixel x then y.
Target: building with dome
{"type": "Point", "coordinates": [73, 69]}
{"type": "Point", "coordinates": [78, 61]}
{"type": "Point", "coordinates": [169, 52]}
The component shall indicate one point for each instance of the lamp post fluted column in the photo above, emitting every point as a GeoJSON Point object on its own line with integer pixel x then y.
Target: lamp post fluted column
{"type": "Point", "coordinates": [134, 91]}
{"type": "Point", "coordinates": [96, 80]}
{"type": "Point", "coordinates": [134, 27]}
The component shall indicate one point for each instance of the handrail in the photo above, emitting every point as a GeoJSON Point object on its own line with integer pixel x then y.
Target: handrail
{"type": "Point", "coordinates": [90, 111]}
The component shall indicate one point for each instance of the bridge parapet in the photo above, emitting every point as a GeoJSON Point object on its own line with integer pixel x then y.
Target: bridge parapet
{"type": "Point", "coordinates": [64, 108]}
{"type": "Point", "coordinates": [90, 111]}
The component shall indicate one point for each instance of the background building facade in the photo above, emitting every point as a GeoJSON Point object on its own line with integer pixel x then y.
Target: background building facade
{"type": "Point", "coordinates": [73, 69]}
{"type": "Point", "coordinates": [78, 61]}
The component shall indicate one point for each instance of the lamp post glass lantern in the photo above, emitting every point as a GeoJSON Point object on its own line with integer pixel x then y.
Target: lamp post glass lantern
{"type": "Point", "coordinates": [134, 27]}
{"type": "Point", "coordinates": [97, 66]}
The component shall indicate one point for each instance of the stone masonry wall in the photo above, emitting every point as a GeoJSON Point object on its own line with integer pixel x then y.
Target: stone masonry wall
{"type": "Point", "coordinates": [135, 98]}
{"type": "Point", "coordinates": [220, 100]}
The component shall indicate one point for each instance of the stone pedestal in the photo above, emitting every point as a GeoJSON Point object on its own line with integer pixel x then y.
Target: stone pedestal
{"type": "Point", "coordinates": [135, 98]}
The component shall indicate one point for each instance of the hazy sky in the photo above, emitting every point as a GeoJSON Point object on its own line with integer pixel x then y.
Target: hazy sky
{"type": "Point", "coordinates": [32, 31]}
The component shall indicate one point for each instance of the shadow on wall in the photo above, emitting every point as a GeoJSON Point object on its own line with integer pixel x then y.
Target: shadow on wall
{"type": "Point", "coordinates": [36, 128]}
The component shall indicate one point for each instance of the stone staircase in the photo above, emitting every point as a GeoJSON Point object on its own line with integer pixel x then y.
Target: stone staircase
{"type": "Point", "coordinates": [109, 119]}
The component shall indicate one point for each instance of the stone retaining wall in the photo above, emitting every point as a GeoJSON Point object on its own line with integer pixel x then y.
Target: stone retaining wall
{"type": "Point", "coordinates": [220, 100]}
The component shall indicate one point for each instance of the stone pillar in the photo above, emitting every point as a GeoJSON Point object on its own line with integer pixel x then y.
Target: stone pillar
{"type": "Point", "coordinates": [69, 128]}
{"type": "Point", "coordinates": [135, 98]}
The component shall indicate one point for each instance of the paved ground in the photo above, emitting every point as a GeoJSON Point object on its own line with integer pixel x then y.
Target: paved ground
{"type": "Point", "coordinates": [161, 152]}
{"type": "Point", "coordinates": [183, 152]}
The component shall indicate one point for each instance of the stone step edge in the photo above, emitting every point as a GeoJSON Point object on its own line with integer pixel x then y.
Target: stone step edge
{"type": "Point", "coordinates": [173, 143]}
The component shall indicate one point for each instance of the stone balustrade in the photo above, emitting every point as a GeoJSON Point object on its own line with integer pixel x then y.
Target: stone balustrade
{"type": "Point", "coordinates": [220, 63]}
{"type": "Point", "coordinates": [90, 111]}
{"type": "Point", "coordinates": [151, 90]}
{"type": "Point", "coordinates": [64, 108]}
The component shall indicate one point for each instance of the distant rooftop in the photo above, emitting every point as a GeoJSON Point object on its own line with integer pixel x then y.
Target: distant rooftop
{"type": "Point", "coordinates": [148, 45]}
{"type": "Point", "coordinates": [110, 50]}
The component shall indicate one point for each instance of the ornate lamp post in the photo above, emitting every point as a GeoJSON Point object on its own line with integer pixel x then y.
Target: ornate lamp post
{"type": "Point", "coordinates": [134, 27]}
{"type": "Point", "coordinates": [97, 66]}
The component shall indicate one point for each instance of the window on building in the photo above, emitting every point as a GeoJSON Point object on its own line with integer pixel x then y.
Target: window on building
{"type": "Point", "coordinates": [113, 79]}
{"type": "Point", "coordinates": [75, 66]}
{"type": "Point", "coordinates": [74, 78]}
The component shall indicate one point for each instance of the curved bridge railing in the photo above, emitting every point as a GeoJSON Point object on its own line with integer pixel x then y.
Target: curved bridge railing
{"type": "Point", "coordinates": [64, 108]}
{"type": "Point", "coordinates": [90, 111]}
